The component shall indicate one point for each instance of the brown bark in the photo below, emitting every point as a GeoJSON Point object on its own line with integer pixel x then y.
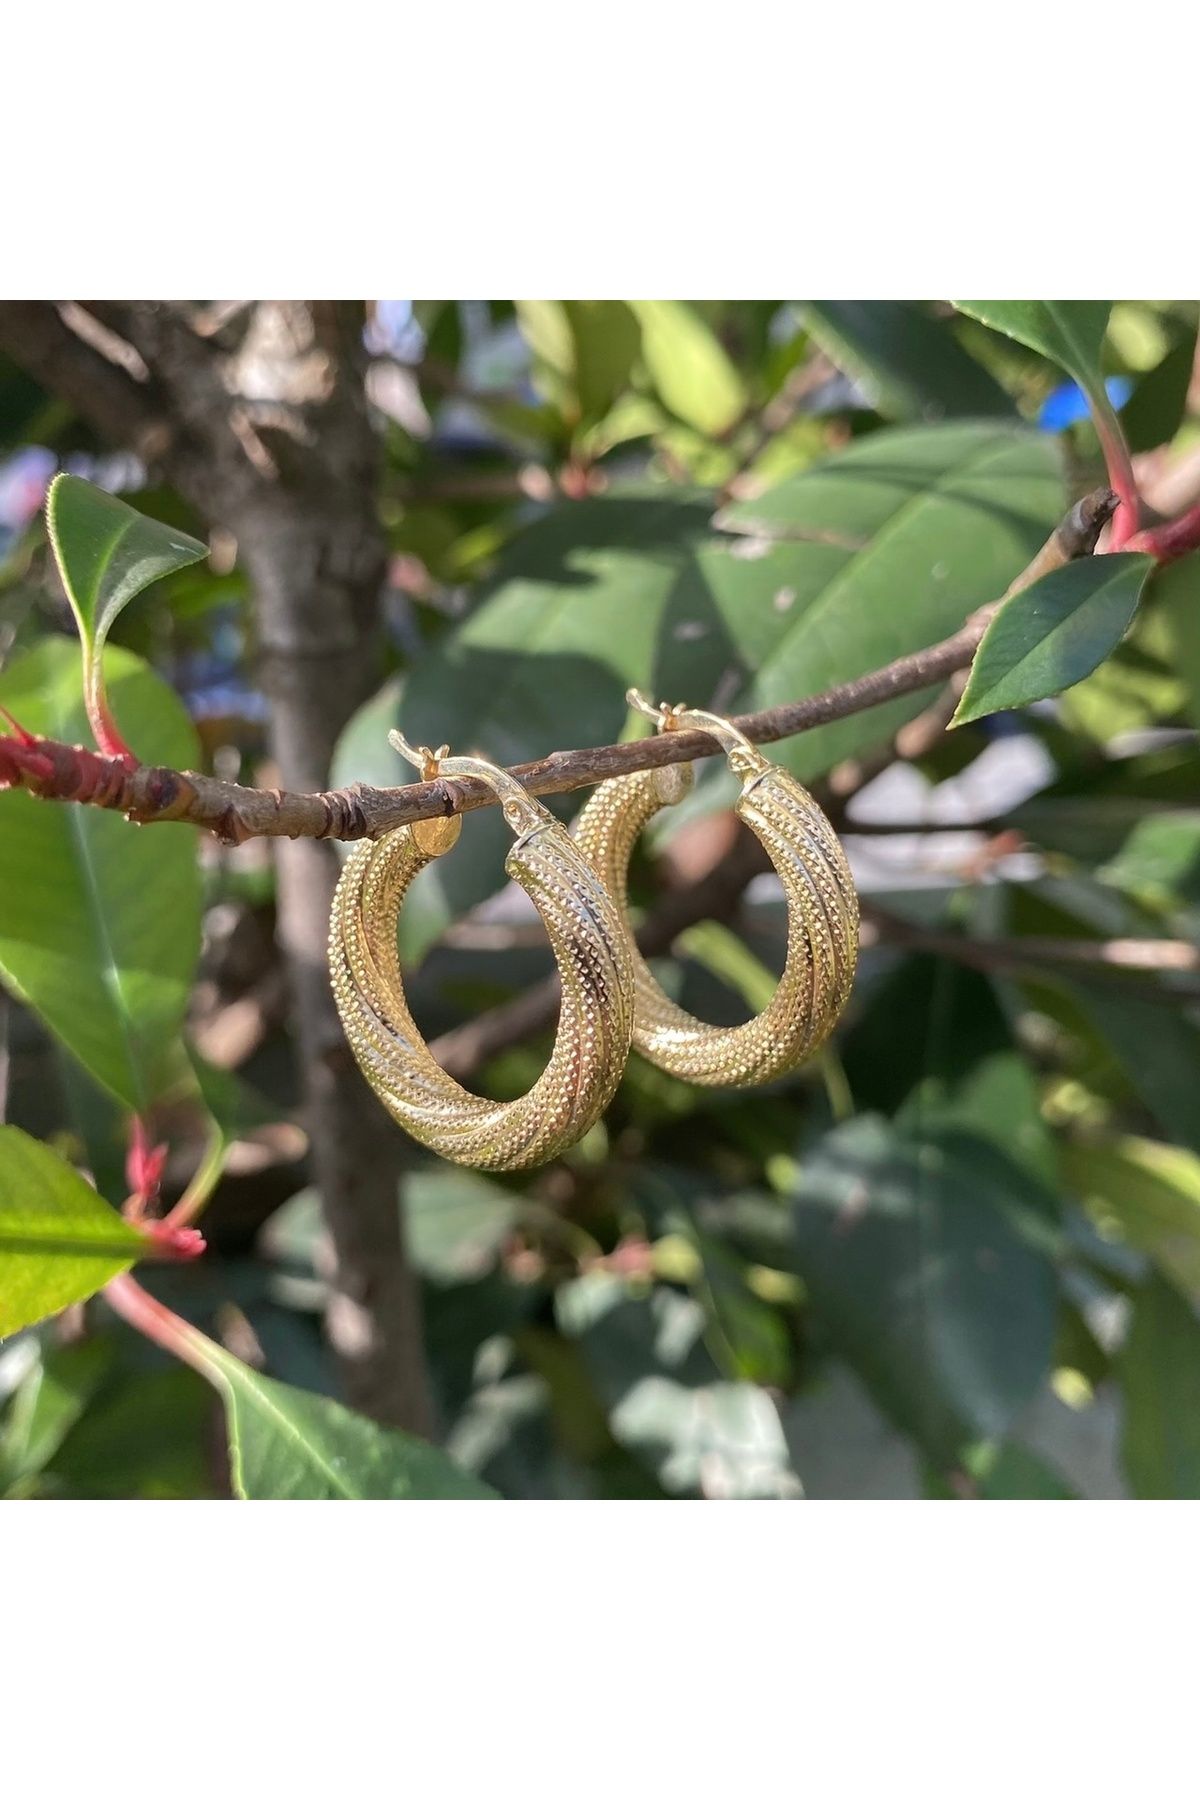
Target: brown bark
{"type": "Point", "coordinates": [265, 430]}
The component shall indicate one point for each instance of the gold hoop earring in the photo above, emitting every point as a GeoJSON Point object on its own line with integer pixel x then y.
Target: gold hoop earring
{"type": "Point", "coordinates": [822, 943]}
{"type": "Point", "coordinates": [590, 947]}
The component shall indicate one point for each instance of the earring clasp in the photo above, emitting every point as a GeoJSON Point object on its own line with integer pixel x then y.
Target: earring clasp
{"type": "Point", "coordinates": [745, 759]}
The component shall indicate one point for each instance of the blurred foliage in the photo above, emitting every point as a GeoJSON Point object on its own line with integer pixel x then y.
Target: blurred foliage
{"type": "Point", "coordinates": [959, 1254]}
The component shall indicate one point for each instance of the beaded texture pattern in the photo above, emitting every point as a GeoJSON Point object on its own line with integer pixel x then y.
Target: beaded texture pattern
{"type": "Point", "coordinates": [590, 947]}
{"type": "Point", "coordinates": [822, 943]}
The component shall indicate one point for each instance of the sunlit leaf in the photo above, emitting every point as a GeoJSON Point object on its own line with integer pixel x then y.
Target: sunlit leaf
{"type": "Point", "coordinates": [286, 1444]}
{"type": "Point", "coordinates": [876, 552]}
{"type": "Point", "coordinates": [1146, 1192]}
{"type": "Point", "coordinates": [59, 1241]}
{"type": "Point", "coordinates": [107, 552]}
{"type": "Point", "coordinates": [1052, 634]}
{"type": "Point", "coordinates": [690, 371]}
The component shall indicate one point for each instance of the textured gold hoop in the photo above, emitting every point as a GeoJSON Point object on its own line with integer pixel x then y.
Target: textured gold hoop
{"type": "Point", "coordinates": [822, 944]}
{"type": "Point", "coordinates": [590, 947]}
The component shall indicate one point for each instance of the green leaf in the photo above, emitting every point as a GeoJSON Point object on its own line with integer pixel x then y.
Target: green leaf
{"type": "Point", "coordinates": [456, 1222]}
{"type": "Point", "coordinates": [724, 1441]}
{"type": "Point", "coordinates": [918, 1258]}
{"type": "Point", "coordinates": [1155, 409]}
{"type": "Point", "coordinates": [146, 1436]}
{"type": "Point", "coordinates": [912, 364]}
{"type": "Point", "coordinates": [1003, 1472]}
{"type": "Point", "coordinates": [698, 1434]}
{"type": "Point", "coordinates": [1176, 593]}
{"type": "Point", "coordinates": [1159, 1050]}
{"type": "Point", "coordinates": [1159, 860]}
{"type": "Point", "coordinates": [59, 1241]}
{"type": "Point", "coordinates": [106, 554]}
{"type": "Point", "coordinates": [606, 339]}
{"type": "Point", "coordinates": [1134, 689]}
{"type": "Point", "coordinates": [1159, 1370]}
{"type": "Point", "coordinates": [1050, 635]}
{"type": "Point", "coordinates": [100, 920]}
{"type": "Point", "coordinates": [691, 373]}
{"type": "Point", "coordinates": [749, 1337]}
{"type": "Point", "coordinates": [724, 954]}
{"type": "Point", "coordinates": [1146, 1193]}
{"type": "Point", "coordinates": [1069, 332]}
{"type": "Point", "coordinates": [879, 550]}
{"type": "Point", "coordinates": [961, 1065]}
{"type": "Point", "coordinates": [584, 352]}
{"type": "Point", "coordinates": [48, 1403]}
{"type": "Point", "coordinates": [232, 1109]}
{"type": "Point", "coordinates": [285, 1444]}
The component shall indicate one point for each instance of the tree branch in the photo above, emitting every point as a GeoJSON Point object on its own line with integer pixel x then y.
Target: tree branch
{"type": "Point", "coordinates": [1110, 961]}
{"type": "Point", "coordinates": [149, 795]}
{"type": "Point", "coordinates": [36, 335]}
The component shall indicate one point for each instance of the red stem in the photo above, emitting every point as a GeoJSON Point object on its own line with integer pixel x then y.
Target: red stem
{"type": "Point", "coordinates": [131, 1302]}
{"type": "Point", "coordinates": [1120, 475]}
{"type": "Point", "coordinates": [104, 726]}
{"type": "Point", "coordinates": [1166, 543]}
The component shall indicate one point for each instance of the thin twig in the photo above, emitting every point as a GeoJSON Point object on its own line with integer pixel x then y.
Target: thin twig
{"type": "Point", "coordinates": [149, 795]}
{"type": "Point", "coordinates": [1111, 961]}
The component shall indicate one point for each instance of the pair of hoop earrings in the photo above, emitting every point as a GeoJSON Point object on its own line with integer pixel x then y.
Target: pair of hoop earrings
{"type": "Point", "coordinates": [610, 999]}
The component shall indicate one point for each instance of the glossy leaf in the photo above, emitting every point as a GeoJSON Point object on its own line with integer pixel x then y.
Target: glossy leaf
{"type": "Point", "coordinates": [879, 550]}
{"type": "Point", "coordinates": [918, 1258]}
{"type": "Point", "coordinates": [285, 1444]}
{"type": "Point", "coordinates": [1146, 1193]}
{"type": "Point", "coordinates": [910, 363]}
{"type": "Point", "coordinates": [1069, 332]}
{"type": "Point", "coordinates": [1159, 1371]}
{"type": "Point", "coordinates": [1050, 635]}
{"type": "Point", "coordinates": [59, 1241]}
{"type": "Point", "coordinates": [100, 920]}
{"type": "Point", "coordinates": [107, 553]}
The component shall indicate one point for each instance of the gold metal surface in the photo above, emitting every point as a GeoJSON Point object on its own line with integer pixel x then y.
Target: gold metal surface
{"type": "Point", "coordinates": [822, 942]}
{"type": "Point", "coordinates": [590, 947]}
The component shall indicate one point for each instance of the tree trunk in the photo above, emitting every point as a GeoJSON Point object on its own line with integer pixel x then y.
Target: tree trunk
{"type": "Point", "coordinates": [261, 421]}
{"type": "Point", "coordinates": [317, 627]}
